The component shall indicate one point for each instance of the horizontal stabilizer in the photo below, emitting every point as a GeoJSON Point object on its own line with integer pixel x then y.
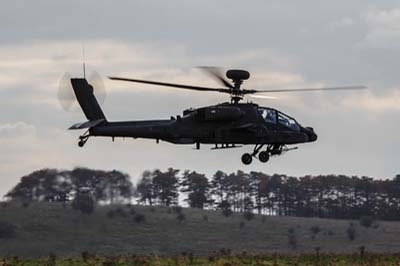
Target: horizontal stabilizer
{"type": "Point", "coordinates": [87, 124]}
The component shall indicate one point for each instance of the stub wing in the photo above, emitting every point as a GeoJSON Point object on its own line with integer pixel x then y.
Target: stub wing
{"type": "Point", "coordinates": [87, 124]}
{"type": "Point", "coordinates": [249, 126]}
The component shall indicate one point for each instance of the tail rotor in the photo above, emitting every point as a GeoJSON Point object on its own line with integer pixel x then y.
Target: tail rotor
{"type": "Point", "coordinates": [65, 94]}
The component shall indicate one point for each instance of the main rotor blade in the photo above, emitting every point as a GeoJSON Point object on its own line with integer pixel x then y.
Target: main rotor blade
{"type": "Point", "coordinates": [216, 73]}
{"type": "Point", "coordinates": [181, 86]}
{"type": "Point", "coordinates": [306, 89]}
{"type": "Point", "coordinates": [263, 96]}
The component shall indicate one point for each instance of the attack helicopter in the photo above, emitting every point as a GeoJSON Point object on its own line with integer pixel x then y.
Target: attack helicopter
{"type": "Point", "coordinates": [226, 125]}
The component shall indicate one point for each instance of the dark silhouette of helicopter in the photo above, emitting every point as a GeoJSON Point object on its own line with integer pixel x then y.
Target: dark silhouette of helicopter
{"type": "Point", "coordinates": [226, 125]}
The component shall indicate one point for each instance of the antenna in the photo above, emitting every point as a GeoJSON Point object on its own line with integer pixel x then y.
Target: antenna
{"type": "Point", "coordinates": [83, 57]}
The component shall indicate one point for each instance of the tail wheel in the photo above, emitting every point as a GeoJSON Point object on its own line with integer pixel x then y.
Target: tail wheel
{"type": "Point", "coordinates": [263, 156]}
{"type": "Point", "coordinates": [83, 139]}
{"type": "Point", "coordinates": [246, 159]}
{"type": "Point", "coordinates": [81, 143]}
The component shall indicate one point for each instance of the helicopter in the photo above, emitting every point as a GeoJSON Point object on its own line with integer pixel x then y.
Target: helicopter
{"type": "Point", "coordinates": [226, 125]}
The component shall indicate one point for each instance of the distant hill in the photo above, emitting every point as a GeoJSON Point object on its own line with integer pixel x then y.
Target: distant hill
{"type": "Point", "coordinates": [45, 228]}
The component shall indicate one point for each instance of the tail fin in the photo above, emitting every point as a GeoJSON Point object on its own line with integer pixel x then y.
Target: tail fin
{"type": "Point", "coordinates": [85, 96]}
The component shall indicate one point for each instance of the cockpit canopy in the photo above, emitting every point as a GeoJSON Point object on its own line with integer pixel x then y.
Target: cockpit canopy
{"type": "Point", "coordinates": [274, 117]}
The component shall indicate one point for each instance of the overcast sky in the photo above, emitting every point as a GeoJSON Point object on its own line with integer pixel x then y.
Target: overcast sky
{"type": "Point", "coordinates": [284, 44]}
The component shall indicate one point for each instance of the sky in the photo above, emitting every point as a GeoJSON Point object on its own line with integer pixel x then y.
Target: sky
{"type": "Point", "coordinates": [284, 44]}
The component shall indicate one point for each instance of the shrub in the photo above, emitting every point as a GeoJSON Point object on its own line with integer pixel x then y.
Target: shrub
{"type": "Point", "coordinates": [110, 262]}
{"type": "Point", "coordinates": [181, 217]}
{"type": "Point", "coordinates": [351, 232]}
{"type": "Point", "coordinates": [317, 253]}
{"type": "Point", "coordinates": [121, 212]}
{"type": "Point", "coordinates": [7, 230]}
{"type": "Point", "coordinates": [52, 259]}
{"type": "Point", "coordinates": [103, 228]}
{"type": "Point", "coordinates": [263, 219]}
{"type": "Point", "coordinates": [227, 212]}
{"type": "Point", "coordinates": [111, 214]}
{"type": "Point", "coordinates": [225, 252]}
{"type": "Point", "coordinates": [177, 209]}
{"type": "Point", "coordinates": [85, 256]}
{"type": "Point", "coordinates": [83, 203]}
{"type": "Point", "coordinates": [314, 231]}
{"type": "Point", "coordinates": [248, 215]}
{"type": "Point", "coordinates": [330, 233]}
{"type": "Point", "coordinates": [139, 218]}
{"type": "Point", "coordinates": [362, 252]}
{"type": "Point", "coordinates": [225, 206]}
{"type": "Point", "coordinates": [292, 238]}
{"type": "Point", "coordinates": [191, 258]}
{"type": "Point", "coordinates": [366, 221]}
{"type": "Point", "coordinates": [242, 224]}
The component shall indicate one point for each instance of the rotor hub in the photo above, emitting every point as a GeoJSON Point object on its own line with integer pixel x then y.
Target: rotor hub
{"type": "Point", "coordinates": [237, 76]}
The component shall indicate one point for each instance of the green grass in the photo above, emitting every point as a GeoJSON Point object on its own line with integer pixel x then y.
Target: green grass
{"type": "Point", "coordinates": [43, 229]}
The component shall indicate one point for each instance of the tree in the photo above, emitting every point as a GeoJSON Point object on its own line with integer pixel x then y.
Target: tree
{"type": "Point", "coordinates": [90, 181]}
{"type": "Point", "coordinates": [165, 186]}
{"type": "Point", "coordinates": [259, 188]}
{"type": "Point", "coordinates": [42, 185]}
{"type": "Point", "coordinates": [225, 206]}
{"type": "Point", "coordinates": [145, 189]}
{"type": "Point", "coordinates": [52, 185]}
{"type": "Point", "coordinates": [116, 187]}
{"type": "Point", "coordinates": [197, 187]}
{"type": "Point", "coordinates": [219, 186]}
{"type": "Point", "coordinates": [84, 203]}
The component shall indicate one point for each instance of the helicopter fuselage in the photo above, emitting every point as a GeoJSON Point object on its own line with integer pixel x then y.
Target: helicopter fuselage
{"type": "Point", "coordinates": [241, 123]}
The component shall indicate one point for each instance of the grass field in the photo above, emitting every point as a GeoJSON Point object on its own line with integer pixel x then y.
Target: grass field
{"type": "Point", "coordinates": [43, 229]}
{"type": "Point", "coordinates": [303, 260]}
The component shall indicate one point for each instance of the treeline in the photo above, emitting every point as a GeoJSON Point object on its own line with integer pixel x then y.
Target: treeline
{"type": "Point", "coordinates": [52, 185]}
{"type": "Point", "coordinates": [325, 196]}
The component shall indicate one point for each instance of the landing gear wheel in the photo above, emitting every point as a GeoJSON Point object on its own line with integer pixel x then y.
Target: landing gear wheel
{"type": "Point", "coordinates": [83, 139]}
{"type": "Point", "coordinates": [263, 156]}
{"type": "Point", "coordinates": [81, 143]}
{"type": "Point", "coordinates": [246, 158]}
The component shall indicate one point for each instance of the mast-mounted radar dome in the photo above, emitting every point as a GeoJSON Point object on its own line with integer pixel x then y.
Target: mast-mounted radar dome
{"type": "Point", "coordinates": [237, 74]}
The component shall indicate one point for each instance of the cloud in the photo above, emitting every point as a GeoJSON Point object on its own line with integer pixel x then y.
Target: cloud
{"type": "Point", "coordinates": [342, 23]}
{"type": "Point", "coordinates": [383, 29]}
{"type": "Point", "coordinates": [16, 130]}
{"type": "Point", "coordinates": [30, 72]}
{"type": "Point", "coordinates": [378, 104]}
{"type": "Point", "coordinates": [33, 69]}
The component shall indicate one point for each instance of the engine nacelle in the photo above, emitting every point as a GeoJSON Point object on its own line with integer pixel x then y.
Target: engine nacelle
{"type": "Point", "coordinates": [219, 113]}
